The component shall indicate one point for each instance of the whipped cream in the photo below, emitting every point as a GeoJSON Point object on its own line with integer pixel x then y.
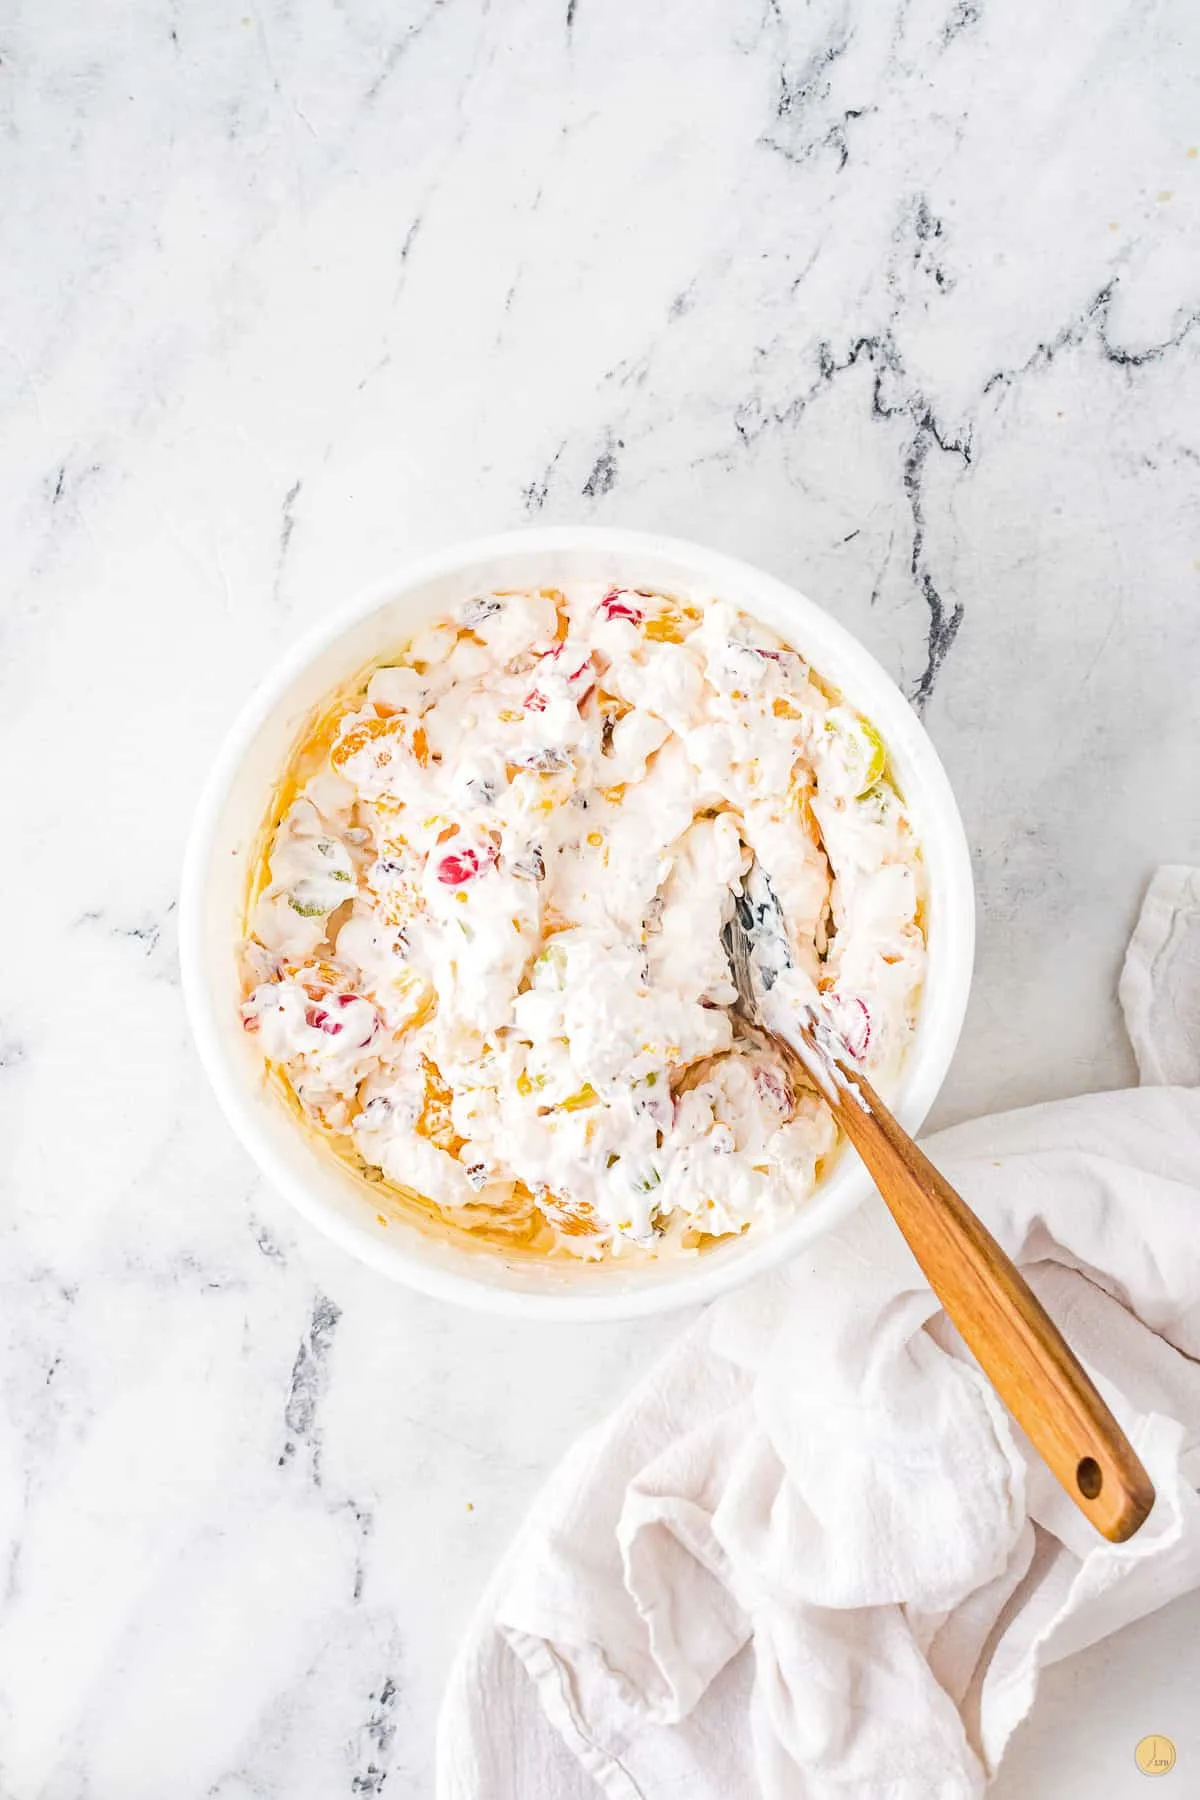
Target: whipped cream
{"type": "Point", "coordinates": [487, 950]}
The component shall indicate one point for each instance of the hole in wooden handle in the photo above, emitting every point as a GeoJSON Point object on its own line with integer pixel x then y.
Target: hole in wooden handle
{"type": "Point", "coordinates": [1089, 1477]}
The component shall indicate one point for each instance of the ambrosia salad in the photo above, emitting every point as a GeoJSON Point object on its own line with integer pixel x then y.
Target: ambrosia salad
{"type": "Point", "coordinates": [484, 947]}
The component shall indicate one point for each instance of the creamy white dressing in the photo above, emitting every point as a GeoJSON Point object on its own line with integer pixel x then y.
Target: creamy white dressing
{"type": "Point", "coordinates": [488, 947]}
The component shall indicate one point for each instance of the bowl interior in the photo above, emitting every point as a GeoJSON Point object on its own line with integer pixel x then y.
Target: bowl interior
{"type": "Point", "coordinates": [226, 838]}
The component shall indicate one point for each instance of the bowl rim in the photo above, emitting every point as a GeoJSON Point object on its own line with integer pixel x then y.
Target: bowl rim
{"type": "Point", "coordinates": [697, 1282]}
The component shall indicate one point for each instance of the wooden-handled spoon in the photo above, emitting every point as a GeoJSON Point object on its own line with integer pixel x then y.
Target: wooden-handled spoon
{"type": "Point", "coordinates": [999, 1318]}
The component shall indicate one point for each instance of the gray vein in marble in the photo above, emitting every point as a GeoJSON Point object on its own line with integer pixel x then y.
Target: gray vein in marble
{"type": "Point", "coordinates": [683, 302]}
{"type": "Point", "coordinates": [534, 496]}
{"type": "Point", "coordinates": [927, 230]}
{"type": "Point", "coordinates": [963, 15]}
{"type": "Point", "coordinates": [287, 525]}
{"type": "Point", "coordinates": [892, 396]}
{"type": "Point", "coordinates": [364, 1526]}
{"type": "Point", "coordinates": [885, 564]}
{"type": "Point", "coordinates": [410, 238]}
{"type": "Point", "coordinates": [398, 49]}
{"type": "Point", "coordinates": [379, 1732]}
{"type": "Point", "coordinates": [308, 1384]}
{"type": "Point", "coordinates": [378, 368]}
{"type": "Point", "coordinates": [35, 1416]}
{"type": "Point", "coordinates": [803, 123]}
{"type": "Point", "coordinates": [603, 476]}
{"type": "Point", "coordinates": [69, 482]}
{"type": "Point", "coordinates": [288, 98]}
{"type": "Point", "coordinates": [1077, 331]}
{"type": "Point", "coordinates": [267, 1243]}
{"type": "Point", "coordinates": [147, 935]}
{"type": "Point", "coordinates": [155, 935]}
{"type": "Point", "coordinates": [943, 622]}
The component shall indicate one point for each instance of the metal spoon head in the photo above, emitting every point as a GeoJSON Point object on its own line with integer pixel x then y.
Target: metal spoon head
{"type": "Point", "coordinates": [756, 942]}
{"type": "Point", "coordinates": [735, 937]}
{"type": "Point", "coordinates": [756, 945]}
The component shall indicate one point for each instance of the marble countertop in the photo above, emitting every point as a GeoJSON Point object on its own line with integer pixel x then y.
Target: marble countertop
{"type": "Point", "coordinates": [899, 300]}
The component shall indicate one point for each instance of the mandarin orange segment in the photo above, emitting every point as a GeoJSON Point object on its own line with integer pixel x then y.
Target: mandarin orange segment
{"type": "Point", "coordinates": [357, 737]}
{"type": "Point", "coordinates": [322, 735]}
{"type": "Point", "coordinates": [522, 1196]}
{"type": "Point", "coordinates": [611, 705]}
{"type": "Point", "coordinates": [799, 800]}
{"type": "Point", "coordinates": [383, 738]}
{"type": "Point", "coordinates": [416, 996]}
{"type": "Point", "coordinates": [554, 922]}
{"type": "Point", "coordinates": [436, 1121]}
{"type": "Point", "coordinates": [573, 1218]}
{"type": "Point", "coordinates": [316, 978]}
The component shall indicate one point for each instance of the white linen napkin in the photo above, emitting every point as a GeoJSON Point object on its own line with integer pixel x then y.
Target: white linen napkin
{"type": "Point", "coordinates": [811, 1555]}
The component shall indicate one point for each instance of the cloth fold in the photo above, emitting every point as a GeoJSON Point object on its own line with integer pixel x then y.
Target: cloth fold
{"type": "Point", "coordinates": [811, 1554]}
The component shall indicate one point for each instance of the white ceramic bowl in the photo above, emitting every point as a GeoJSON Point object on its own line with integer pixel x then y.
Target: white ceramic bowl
{"type": "Point", "coordinates": [231, 814]}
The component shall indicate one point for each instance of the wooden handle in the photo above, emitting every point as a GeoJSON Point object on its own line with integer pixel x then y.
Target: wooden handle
{"type": "Point", "coordinates": [998, 1316]}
